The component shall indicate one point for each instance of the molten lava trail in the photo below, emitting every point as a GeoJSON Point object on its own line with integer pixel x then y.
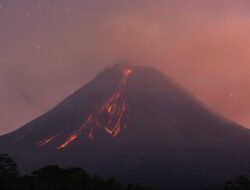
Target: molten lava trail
{"type": "Point", "coordinates": [46, 141]}
{"type": "Point", "coordinates": [108, 117]}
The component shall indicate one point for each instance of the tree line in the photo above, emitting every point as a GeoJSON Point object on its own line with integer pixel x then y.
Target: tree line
{"type": "Point", "coordinates": [55, 178]}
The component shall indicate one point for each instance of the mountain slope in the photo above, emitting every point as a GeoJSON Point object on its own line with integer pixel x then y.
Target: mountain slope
{"type": "Point", "coordinates": [135, 123]}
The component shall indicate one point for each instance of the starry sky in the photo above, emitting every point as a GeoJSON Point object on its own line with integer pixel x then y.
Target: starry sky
{"type": "Point", "coordinates": [50, 48]}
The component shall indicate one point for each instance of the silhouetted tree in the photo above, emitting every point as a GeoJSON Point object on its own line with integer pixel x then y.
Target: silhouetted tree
{"type": "Point", "coordinates": [9, 175]}
{"type": "Point", "coordinates": [240, 183]}
{"type": "Point", "coordinates": [55, 178]}
{"type": "Point", "coordinates": [7, 165]}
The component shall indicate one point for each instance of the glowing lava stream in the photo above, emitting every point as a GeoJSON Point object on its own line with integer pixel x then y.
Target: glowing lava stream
{"type": "Point", "coordinates": [46, 141]}
{"type": "Point", "coordinates": [109, 115]}
{"type": "Point", "coordinates": [114, 109]}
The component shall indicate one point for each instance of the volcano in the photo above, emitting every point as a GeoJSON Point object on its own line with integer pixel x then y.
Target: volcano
{"type": "Point", "coordinates": [135, 123]}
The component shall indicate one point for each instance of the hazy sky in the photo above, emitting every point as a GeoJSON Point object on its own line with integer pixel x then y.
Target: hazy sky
{"type": "Point", "coordinates": [50, 48]}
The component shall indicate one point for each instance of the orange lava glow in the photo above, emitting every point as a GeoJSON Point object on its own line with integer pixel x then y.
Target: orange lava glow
{"type": "Point", "coordinates": [69, 140]}
{"type": "Point", "coordinates": [109, 109]}
{"type": "Point", "coordinates": [113, 110]}
{"type": "Point", "coordinates": [45, 141]}
{"type": "Point", "coordinates": [127, 71]}
{"type": "Point", "coordinates": [109, 116]}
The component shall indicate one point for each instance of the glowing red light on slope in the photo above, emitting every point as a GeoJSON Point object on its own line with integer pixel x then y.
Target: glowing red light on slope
{"type": "Point", "coordinates": [45, 141]}
{"type": "Point", "coordinates": [127, 71]}
{"type": "Point", "coordinates": [91, 135]}
{"type": "Point", "coordinates": [68, 141]}
{"type": "Point", "coordinates": [110, 108]}
{"type": "Point", "coordinates": [110, 131]}
{"type": "Point", "coordinates": [113, 110]}
{"type": "Point", "coordinates": [75, 135]}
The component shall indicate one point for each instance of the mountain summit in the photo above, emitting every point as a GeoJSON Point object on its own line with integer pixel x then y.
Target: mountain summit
{"type": "Point", "coordinates": [135, 123]}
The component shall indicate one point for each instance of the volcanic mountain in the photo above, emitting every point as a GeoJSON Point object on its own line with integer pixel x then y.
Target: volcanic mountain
{"type": "Point", "coordinates": [134, 123]}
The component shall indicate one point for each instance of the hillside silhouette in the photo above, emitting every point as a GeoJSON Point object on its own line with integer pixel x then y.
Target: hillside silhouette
{"type": "Point", "coordinates": [55, 178]}
{"type": "Point", "coordinates": [135, 123]}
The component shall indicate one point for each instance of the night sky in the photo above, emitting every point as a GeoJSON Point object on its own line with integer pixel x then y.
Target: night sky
{"type": "Point", "coordinates": [50, 48]}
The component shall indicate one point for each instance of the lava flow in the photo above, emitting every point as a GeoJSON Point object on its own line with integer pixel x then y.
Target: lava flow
{"type": "Point", "coordinates": [109, 116]}
{"type": "Point", "coordinates": [46, 141]}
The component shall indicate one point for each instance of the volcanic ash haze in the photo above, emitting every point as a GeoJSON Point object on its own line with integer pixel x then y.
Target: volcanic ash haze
{"type": "Point", "coordinates": [134, 123]}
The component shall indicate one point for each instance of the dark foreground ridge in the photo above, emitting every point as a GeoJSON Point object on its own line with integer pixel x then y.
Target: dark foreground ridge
{"type": "Point", "coordinates": [55, 178]}
{"type": "Point", "coordinates": [134, 123]}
